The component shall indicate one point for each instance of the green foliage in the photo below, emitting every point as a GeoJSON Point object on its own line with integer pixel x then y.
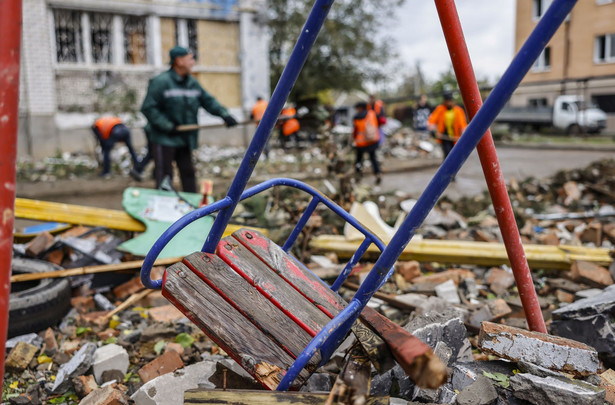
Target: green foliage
{"type": "Point", "coordinates": [499, 378]}
{"type": "Point", "coordinates": [347, 52]}
{"type": "Point", "coordinates": [82, 329]}
{"type": "Point", "coordinates": [159, 346]}
{"type": "Point", "coordinates": [184, 339]}
{"type": "Point", "coordinates": [69, 398]}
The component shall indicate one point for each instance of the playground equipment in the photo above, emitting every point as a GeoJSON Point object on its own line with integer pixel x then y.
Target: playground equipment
{"type": "Point", "coordinates": [202, 267]}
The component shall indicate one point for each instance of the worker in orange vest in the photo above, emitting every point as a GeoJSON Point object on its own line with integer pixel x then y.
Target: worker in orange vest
{"type": "Point", "coordinates": [258, 110]}
{"type": "Point", "coordinates": [378, 107]}
{"type": "Point", "coordinates": [446, 123]}
{"type": "Point", "coordinates": [290, 124]}
{"type": "Point", "coordinates": [109, 130]}
{"type": "Point", "coordinates": [365, 137]}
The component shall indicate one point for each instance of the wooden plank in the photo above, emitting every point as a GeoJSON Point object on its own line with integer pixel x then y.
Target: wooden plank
{"type": "Point", "coordinates": [254, 306]}
{"type": "Point", "coordinates": [466, 252]}
{"type": "Point", "coordinates": [104, 268]}
{"type": "Point", "coordinates": [280, 293]}
{"type": "Point", "coordinates": [243, 341]}
{"type": "Point", "coordinates": [314, 289]}
{"type": "Point", "coordinates": [251, 397]}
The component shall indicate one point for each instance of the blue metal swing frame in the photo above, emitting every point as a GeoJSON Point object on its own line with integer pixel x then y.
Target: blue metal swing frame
{"type": "Point", "coordinates": [329, 338]}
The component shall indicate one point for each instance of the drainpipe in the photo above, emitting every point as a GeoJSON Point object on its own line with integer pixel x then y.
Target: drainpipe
{"type": "Point", "coordinates": [10, 45]}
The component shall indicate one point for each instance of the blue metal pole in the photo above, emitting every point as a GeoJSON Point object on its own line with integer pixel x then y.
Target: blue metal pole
{"type": "Point", "coordinates": [302, 221]}
{"type": "Point", "coordinates": [289, 76]}
{"type": "Point", "coordinates": [500, 95]}
{"type": "Point", "coordinates": [518, 68]}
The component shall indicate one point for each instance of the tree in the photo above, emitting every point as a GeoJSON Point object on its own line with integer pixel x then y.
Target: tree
{"type": "Point", "coordinates": [348, 50]}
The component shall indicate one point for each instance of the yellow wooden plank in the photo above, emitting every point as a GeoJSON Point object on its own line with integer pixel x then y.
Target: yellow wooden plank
{"type": "Point", "coordinates": [466, 252]}
{"type": "Point", "coordinates": [88, 216]}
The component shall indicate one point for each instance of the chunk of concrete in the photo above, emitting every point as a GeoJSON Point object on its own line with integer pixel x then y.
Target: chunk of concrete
{"type": "Point", "coordinates": [590, 321]}
{"type": "Point", "coordinates": [548, 351]}
{"type": "Point", "coordinates": [465, 374]}
{"type": "Point", "coordinates": [78, 365]}
{"type": "Point", "coordinates": [169, 389]}
{"type": "Point", "coordinates": [555, 391]}
{"type": "Point", "coordinates": [480, 392]}
{"type": "Point", "coordinates": [109, 357]}
{"type": "Point", "coordinates": [20, 356]}
{"type": "Point", "coordinates": [30, 338]}
{"type": "Point", "coordinates": [448, 292]}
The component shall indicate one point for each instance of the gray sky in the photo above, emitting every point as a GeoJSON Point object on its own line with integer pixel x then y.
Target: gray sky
{"type": "Point", "coordinates": [488, 27]}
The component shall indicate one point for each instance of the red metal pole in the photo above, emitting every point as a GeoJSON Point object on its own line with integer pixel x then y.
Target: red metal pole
{"type": "Point", "coordinates": [10, 45]}
{"type": "Point", "coordinates": [464, 71]}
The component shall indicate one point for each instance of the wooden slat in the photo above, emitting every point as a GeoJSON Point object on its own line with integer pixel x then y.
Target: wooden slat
{"type": "Point", "coordinates": [243, 341]}
{"type": "Point", "coordinates": [250, 397]}
{"type": "Point", "coordinates": [466, 252]}
{"type": "Point", "coordinates": [258, 309]}
{"type": "Point", "coordinates": [295, 305]}
{"type": "Point", "coordinates": [314, 289]}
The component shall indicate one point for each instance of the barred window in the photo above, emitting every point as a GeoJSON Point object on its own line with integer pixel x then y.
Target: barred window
{"type": "Point", "coordinates": [186, 35]}
{"type": "Point", "coordinates": [192, 38]}
{"type": "Point", "coordinates": [135, 43]}
{"type": "Point", "coordinates": [69, 46]}
{"type": "Point", "coordinates": [101, 28]}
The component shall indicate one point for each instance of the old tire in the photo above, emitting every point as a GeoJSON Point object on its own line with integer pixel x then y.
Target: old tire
{"type": "Point", "coordinates": [36, 305]}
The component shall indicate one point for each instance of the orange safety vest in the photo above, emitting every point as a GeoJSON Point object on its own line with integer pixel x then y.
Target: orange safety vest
{"type": "Point", "coordinates": [366, 130]}
{"type": "Point", "coordinates": [377, 107]}
{"type": "Point", "coordinates": [104, 126]}
{"type": "Point", "coordinates": [437, 118]}
{"type": "Point", "coordinates": [258, 110]}
{"type": "Point", "coordinates": [290, 126]}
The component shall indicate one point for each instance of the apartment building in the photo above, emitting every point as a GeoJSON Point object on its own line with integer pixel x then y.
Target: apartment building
{"type": "Point", "coordinates": [580, 59]}
{"type": "Point", "coordinates": [81, 58]}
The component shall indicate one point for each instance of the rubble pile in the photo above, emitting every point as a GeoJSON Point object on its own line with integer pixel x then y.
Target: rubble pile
{"type": "Point", "coordinates": [122, 344]}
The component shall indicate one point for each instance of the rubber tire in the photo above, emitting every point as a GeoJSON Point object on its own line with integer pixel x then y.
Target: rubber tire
{"type": "Point", "coordinates": [43, 304]}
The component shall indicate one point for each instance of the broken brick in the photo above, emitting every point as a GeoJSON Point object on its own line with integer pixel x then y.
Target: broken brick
{"type": "Point", "coordinates": [84, 384]}
{"type": "Point", "coordinates": [591, 274]}
{"type": "Point", "coordinates": [438, 278]}
{"type": "Point", "coordinates": [547, 351]}
{"type": "Point", "coordinates": [51, 344]}
{"type": "Point", "coordinates": [572, 192]}
{"type": "Point", "coordinates": [499, 280]}
{"type": "Point", "coordinates": [20, 356]}
{"type": "Point", "coordinates": [39, 244]}
{"type": "Point", "coordinates": [564, 296]}
{"type": "Point", "coordinates": [608, 383]}
{"type": "Point", "coordinates": [166, 313]}
{"type": "Point", "coordinates": [83, 304]}
{"type": "Point", "coordinates": [409, 270]}
{"type": "Point", "coordinates": [105, 396]}
{"type": "Point", "coordinates": [167, 363]}
{"type": "Point", "coordinates": [175, 347]}
{"type": "Point", "coordinates": [592, 234]}
{"type": "Point", "coordinates": [97, 318]}
{"type": "Point", "coordinates": [130, 287]}
{"type": "Point", "coordinates": [492, 311]}
{"type": "Point", "coordinates": [108, 333]}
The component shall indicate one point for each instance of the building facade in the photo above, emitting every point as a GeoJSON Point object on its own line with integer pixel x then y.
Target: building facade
{"type": "Point", "coordinates": [579, 60]}
{"type": "Point", "coordinates": [83, 58]}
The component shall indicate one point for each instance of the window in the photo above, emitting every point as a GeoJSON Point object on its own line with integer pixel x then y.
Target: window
{"type": "Point", "coordinates": [606, 102]}
{"type": "Point", "coordinates": [134, 40]}
{"type": "Point", "coordinates": [537, 102]}
{"type": "Point", "coordinates": [604, 49]}
{"type": "Point", "coordinates": [101, 28]}
{"type": "Point", "coordinates": [539, 7]}
{"type": "Point", "coordinates": [186, 35]}
{"type": "Point", "coordinates": [543, 63]}
{"type": "Point", "coordinates": [69, 46]}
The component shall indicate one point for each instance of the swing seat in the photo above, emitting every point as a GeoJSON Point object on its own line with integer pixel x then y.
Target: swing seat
{"type": "Point", "coordinates": [256, 302]}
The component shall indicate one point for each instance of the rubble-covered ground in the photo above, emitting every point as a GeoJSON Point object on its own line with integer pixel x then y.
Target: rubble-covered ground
{"type": "Point", "coordinates": [471, 316]}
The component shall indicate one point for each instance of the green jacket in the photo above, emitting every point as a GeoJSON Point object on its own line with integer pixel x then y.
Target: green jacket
{"type": "Point", "coordinates": [171, 101]}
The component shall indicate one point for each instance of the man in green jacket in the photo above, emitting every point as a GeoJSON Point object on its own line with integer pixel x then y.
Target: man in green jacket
{"type": "Point", "coordinates": [173, 99]}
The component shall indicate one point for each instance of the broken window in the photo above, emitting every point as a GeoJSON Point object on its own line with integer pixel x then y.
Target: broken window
{"type": "Point", "coordinates": [101, 27]}
{"type": "Point", "coordinates": [69, 47]}
{"type": "Point", "coordinates": [135, 46]}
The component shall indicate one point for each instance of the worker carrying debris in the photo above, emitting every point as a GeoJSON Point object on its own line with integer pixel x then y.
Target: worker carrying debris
{"type": "Point", "coordinates": [109, 130]}
{"type": "Point", "coordinates": [365, 137]}
{"type": "Point", "coordinates": [173, 99]}
{"type": "Point", "coordinates": [447, 122]}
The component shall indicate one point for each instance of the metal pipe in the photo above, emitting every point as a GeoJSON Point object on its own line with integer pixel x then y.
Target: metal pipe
{"type": "Point", "coordinates": [302, 221]}
{"type": "Point", "coordinates": [297, 59]}
{"type": "Point", "coordinates": [10, 46]}
{"type": "Point", "coordinates": [453, 33]}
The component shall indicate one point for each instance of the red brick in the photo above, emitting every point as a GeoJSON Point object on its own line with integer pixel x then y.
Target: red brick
{"type": "Point", "coordinates": [97, 318]}
{"type": "Point", "coordinates": [51, 344]}
{"type": "Point", "coordinates": [107, 395]}
{"type": "Point", "coordinates": [590, 273]}
{"type": "Point", "coordinates": [70, 346]}
{"type": "Point", "coordinates": [167, 363]}
{"type": "Point", "coordinates": [608, 383]}
{"type": "Point", "coordinates": [592, 234]}
{"type": "Point", "coordinates": [166, 313]}
{"type": "Point", "coordinates": [55, 256]}
{"type": "Point", "coordinates": [175, 347]}
{"type": "Point", "coordinates": [39, 244]}
{"type": "Point", "coordinates": [128, 288]}
{"type": "Point", "coordinates": [108, 333]}
{"type": "Point", "coordinates": [564, 296]}
{"type": "Point", "coordinates": [438, 278]}
{"type": "Point", "coordinates": [409, 270]}
{"type": "Point", "coordinates": [499, 280]}
{"type": "Point", "coordinates": [84, 384]}
{"type": "Point", "coordinates": [83, 304]}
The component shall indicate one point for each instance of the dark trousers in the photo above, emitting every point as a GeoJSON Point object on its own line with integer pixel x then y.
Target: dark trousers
{"type": "Point", "coordinates": [164, 156]}
{"type": "Point", "coordinates": [119, 133]}
{"type": "Point", "coordinates": [447, 146]}
{"type": "Point", "coordinates": [148, 156]}
{"type": "Point", "coordinates": [371, 150]}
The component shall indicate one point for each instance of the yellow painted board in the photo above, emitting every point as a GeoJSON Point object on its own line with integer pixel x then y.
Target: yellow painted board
{"type": "Point", "coordinates": [466, 252]}
{"type": "Point", "coordinates": [88, 216]}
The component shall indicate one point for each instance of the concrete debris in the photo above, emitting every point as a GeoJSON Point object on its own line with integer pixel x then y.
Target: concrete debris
{"type": "Point", "coordinates": [78, 365]}
{"type": "Point", "coordinates": [554, 390]}
{"type": "Point", "coordinates": [480, 392]}
{"type": "Point", "coordinates": [109, 357]}
{"type": "Point", "coordinates": [448, 292]}
{"type": "Point", "coordinates": [20, 356]}
{"type": "Point", "coordinates": [30, 338]}
{"type": "Point", "coordinates": [590, 321]}
{"type": "Point", "coordinates": [551, 352]}
{"type": "Point", "coordinates": [107, 395]}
